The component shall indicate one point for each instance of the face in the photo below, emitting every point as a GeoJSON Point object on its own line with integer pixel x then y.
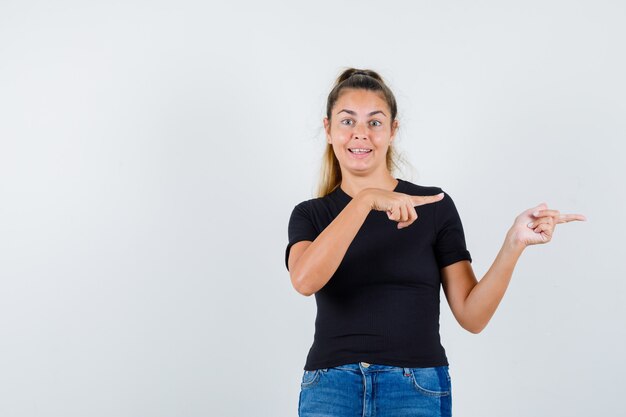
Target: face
{"type": "Point", "coordinates": [360, 131]}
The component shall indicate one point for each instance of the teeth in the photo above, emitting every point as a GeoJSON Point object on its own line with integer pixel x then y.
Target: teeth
{"type": "Point", "coordinates": [360, 150]}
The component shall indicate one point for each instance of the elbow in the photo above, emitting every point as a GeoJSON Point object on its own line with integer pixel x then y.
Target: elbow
{"type": "Point", "coordinates": [299, 284]}
{"type": "Point", "coordinates": [474, 328]}
{"type": "Point", "coordinates": [304, 291]}
{"type": "Point", "coordinates": [472, 322]}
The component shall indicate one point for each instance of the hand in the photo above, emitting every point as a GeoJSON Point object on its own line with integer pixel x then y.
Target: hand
{"type": "Point", "coordinates": [536, 225]}
{"type": "Point", "coordinates": [400, 207]}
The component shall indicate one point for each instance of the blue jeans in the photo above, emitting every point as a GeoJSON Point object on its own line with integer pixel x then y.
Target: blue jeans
{"type": "Point", "coordinates": [364, 390]}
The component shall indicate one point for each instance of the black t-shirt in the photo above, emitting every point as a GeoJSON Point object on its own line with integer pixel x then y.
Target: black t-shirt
{"type": "Point", "coordinates": [382, 304]}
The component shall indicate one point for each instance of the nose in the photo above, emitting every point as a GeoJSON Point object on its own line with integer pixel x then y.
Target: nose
{"type": "Point", "coordinates": [360, 132]}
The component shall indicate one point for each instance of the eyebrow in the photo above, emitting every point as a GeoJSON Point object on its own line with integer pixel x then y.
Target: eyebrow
{"type": "Point", "coordinates": [354, 113]}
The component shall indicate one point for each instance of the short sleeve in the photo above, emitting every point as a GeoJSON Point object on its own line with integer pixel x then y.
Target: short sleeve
{"type": "Point", "coordinates": [450, 244]}
{"type": "Point", "coordinates": [301, 227]}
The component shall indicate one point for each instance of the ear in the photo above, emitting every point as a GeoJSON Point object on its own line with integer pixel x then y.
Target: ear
{"type": "Point", "coordinates": [327, 129]}
{"type": "Point", "coordinates": [394, 130]}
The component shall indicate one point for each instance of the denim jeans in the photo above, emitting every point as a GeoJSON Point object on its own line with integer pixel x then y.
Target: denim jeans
{"type": "Point", "coordinates": [371, 390]}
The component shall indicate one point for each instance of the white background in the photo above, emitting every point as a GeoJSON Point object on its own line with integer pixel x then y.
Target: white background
{"type": "Point", "coordinates": [151, 153]}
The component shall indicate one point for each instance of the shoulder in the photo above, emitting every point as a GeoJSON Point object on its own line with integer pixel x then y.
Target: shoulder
{"type": "Point", "coordinates": [444, 207]}
{"type": "Point", "coordinates": [416, 189]}
{"type": "Point", "coordinates": [311, 203]}
{"type": "Point", "coordinates": [312, 206]}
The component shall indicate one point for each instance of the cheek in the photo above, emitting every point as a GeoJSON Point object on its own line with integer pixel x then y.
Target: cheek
{"type": "Point", "coordinates": [341, 129]}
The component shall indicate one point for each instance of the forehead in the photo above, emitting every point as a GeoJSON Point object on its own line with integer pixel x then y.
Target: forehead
{"type": "Point", "coordinates": [361, 100]}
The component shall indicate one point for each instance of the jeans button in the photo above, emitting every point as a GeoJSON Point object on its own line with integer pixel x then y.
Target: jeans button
{"type": "Point", "coordinates": [365, 364]}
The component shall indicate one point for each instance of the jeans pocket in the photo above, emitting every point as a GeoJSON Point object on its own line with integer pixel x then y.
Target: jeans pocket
{"type": "Point", "coordinates": [310, 378]}
{"type": "Point", "coordinates": [434, 381]}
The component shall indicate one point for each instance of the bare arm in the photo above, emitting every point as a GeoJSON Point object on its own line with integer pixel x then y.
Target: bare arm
{"type": "Point", "coordinates": [312, 264]}
{"type": "Point", "coordinates": [474, 303]}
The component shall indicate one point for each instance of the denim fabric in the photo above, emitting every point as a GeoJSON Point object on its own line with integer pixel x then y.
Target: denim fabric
{"type": "Point", "coordinates": [371, 390]}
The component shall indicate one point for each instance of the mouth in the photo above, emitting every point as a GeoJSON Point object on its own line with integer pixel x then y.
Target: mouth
{"type": "Point", "coordinates": [360, 151]}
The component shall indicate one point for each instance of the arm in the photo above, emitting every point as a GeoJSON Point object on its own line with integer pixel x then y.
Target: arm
{"type": "Point", "coordinates": [474, 303]}
{"type": "Point", "coordinates": [312, 264]}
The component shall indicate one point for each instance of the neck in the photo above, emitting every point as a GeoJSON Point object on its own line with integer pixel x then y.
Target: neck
{"type": "Point", "coordinates": [352, 184]}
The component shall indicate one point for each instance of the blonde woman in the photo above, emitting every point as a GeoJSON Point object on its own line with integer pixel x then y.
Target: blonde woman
{"type": "Point", "coordinates": [375, 250]}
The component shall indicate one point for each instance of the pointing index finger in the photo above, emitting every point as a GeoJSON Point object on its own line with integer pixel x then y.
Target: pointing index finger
{"type": "Point", "coordinates": [565, 218]}
{"type": "Point", "coordinates": [420, 200]}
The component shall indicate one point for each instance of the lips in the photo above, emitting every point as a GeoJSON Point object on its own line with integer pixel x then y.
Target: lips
{"type": "Point", "coordinates": [359, 151]}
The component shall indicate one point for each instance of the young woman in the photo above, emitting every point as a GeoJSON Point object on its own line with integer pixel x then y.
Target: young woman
{"type": "Point", "coordinates": [375, 251]}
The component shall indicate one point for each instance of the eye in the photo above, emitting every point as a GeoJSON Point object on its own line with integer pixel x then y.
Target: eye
{"type": "Point", "coordinates": [346, 120]}
{"type": "Point", "coordinates": [376, 121]}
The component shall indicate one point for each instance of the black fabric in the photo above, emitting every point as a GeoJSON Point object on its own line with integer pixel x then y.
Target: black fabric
{"type": "Point", "coordinates": [382, 304]}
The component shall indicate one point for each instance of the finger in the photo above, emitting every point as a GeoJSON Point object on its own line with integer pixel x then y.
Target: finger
{"type": "Point", "coordinates": [545, 229]}
{"type": "Point", "coordinates": [413, 214]}
{"type": "Point", "coordinates": [543, 213]}
{"type": "Point", "coordinates": [412, 218]}
{"type": "Point", "coordinates": [420, 200]}
{"type": "Point", "coordinates": [404, 213]}
{"type": "Point", "coordinates": [564, 218]}
{"type": "Point", "coordinates": [395, 214]}
{"type": "Point", "coordinates": [398, 213]}
{"type": "Point", "coordinates": [539, 231]}
{"type": "Point", "coordinates": [542, 220]}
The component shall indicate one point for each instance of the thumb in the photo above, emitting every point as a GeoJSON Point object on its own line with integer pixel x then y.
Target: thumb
{"type": "Point", "coordinates": [541, 206]}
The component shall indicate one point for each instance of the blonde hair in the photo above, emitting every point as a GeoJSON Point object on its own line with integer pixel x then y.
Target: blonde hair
{"type": "Point", "coordinates": [330, 173]}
